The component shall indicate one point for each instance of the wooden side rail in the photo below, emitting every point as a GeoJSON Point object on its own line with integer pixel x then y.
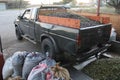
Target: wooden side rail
{"type": "Point", "coordinates": [68, 22]}
{"type": "Point", "coordinates": [104, 20]}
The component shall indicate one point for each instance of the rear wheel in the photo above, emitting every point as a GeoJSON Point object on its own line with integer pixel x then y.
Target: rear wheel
{"type": "Point", "coordinates": [47, 48]}
{"type": "Point", "coordinates": [18, 34]}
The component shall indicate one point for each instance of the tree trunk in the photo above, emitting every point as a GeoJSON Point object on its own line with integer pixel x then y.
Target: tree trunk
{"type": "Point", "coordinates": [117, 10]}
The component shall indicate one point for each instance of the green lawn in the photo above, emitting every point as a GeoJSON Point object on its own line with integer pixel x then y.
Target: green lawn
{"type": "Point", "coordinates": [104, 69]}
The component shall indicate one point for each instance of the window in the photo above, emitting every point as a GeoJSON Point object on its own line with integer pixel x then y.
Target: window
{"type": "Point", "coordinates": [33, 15]}
{"type": "Point", "coordinates": [27, 14]}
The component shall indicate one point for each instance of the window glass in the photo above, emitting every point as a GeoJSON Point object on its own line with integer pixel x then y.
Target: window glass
{"type": "Point", "coordinates": [27, 14]}
{"type": "Point", "coordinates": [33, 15]}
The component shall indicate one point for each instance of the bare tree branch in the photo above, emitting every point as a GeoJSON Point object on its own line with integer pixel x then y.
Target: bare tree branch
{"type": "Point", "coordinates": [115, 4]}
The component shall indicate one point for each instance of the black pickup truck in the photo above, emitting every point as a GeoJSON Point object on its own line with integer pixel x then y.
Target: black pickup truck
{"type": "Point", "coordinates": [56, 39]}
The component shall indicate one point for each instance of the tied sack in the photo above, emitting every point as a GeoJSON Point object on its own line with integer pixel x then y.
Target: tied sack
{"type": "Point", "coordinates": [18, 61]}
{"type": "Point", "coordinates": [31, 61]}
{"type": "Point", "coordinates": [7, 68]}
{"type": "Point", "coordinates": [42, 71]}
{"type": "Point", "coordinates": [38, 72]}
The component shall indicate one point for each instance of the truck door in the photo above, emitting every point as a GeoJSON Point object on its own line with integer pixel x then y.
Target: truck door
{"type": "Point", "coordinates": [25, 21]}
{"type": "Point", "coordinates": [32, 24]}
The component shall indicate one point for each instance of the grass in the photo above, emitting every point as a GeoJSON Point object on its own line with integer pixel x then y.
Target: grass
{"type": "Point", "coordinates": [104, 69]}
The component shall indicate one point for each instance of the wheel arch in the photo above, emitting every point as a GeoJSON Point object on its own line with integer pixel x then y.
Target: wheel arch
{"type": "Point", "coordinates": [18, 27]}
{"type": "Point", "coordinates": [44, 36]}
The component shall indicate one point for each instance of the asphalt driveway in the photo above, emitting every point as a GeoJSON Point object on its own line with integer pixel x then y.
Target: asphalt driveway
{"type": "Point", "coordinates": [7, 31]}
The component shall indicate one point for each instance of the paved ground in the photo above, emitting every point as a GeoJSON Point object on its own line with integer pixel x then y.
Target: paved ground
{"type": "Point", "coordinates": [7, 32]}
{"type": "Point", "coordinates": [7, 28]}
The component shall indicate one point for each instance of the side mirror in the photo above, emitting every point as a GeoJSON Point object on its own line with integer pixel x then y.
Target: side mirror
{"type": "Point", "coordinates": [19, 17]}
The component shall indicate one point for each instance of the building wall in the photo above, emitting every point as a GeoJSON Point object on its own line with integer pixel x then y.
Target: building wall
{"type": "Point", "coordinates": [2, 6]}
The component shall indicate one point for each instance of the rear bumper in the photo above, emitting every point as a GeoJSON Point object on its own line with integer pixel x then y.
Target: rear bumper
{"type": "Point", "coordinates": [94, 51]}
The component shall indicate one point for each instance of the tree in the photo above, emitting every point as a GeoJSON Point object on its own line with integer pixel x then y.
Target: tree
{"type": "Point", "coordinates": [102, 2]}
{"type": "Point", "coordinates": [71, 2]}
{"type": "Point", "coordinates": [115, 4]}
{"type": "Point", "coordinates": [17, 4]}
{"type": "Point", "coordinates": [66, 1]}
{"type": "Point", "coordinates": [74, 2]}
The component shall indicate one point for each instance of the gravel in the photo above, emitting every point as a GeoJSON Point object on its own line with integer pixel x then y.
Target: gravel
{"type": "Point", "coordinates": [84, 21]}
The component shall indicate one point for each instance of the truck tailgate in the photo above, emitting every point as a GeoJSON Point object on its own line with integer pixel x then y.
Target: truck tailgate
{"type": "Point", "coordinates": [91, 36]}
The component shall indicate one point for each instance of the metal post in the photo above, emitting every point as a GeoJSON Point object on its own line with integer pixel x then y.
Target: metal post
{"type": "Point", "coordinates": [20, 4]}
{"type": "Point", "coordinates": [98, 8]}
{"type": "Point", "coordinates": [1, 45]}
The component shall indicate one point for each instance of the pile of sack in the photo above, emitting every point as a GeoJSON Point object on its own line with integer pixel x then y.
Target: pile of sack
{"type": "Point", "coordinates": [33, 66]}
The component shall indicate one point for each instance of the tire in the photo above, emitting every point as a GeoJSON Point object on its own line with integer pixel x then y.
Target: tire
{"type": "Point", "coordinates": [18, 34]}
{"type": "Point", "coordinates": [47, 46]}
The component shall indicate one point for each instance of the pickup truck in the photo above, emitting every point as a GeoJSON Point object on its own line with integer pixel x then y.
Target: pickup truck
{"type": "Point", "coordinates": [55, 39]}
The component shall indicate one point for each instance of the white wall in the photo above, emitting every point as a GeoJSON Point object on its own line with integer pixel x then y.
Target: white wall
{"type": "Point", "coordinates": [2, 6]}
